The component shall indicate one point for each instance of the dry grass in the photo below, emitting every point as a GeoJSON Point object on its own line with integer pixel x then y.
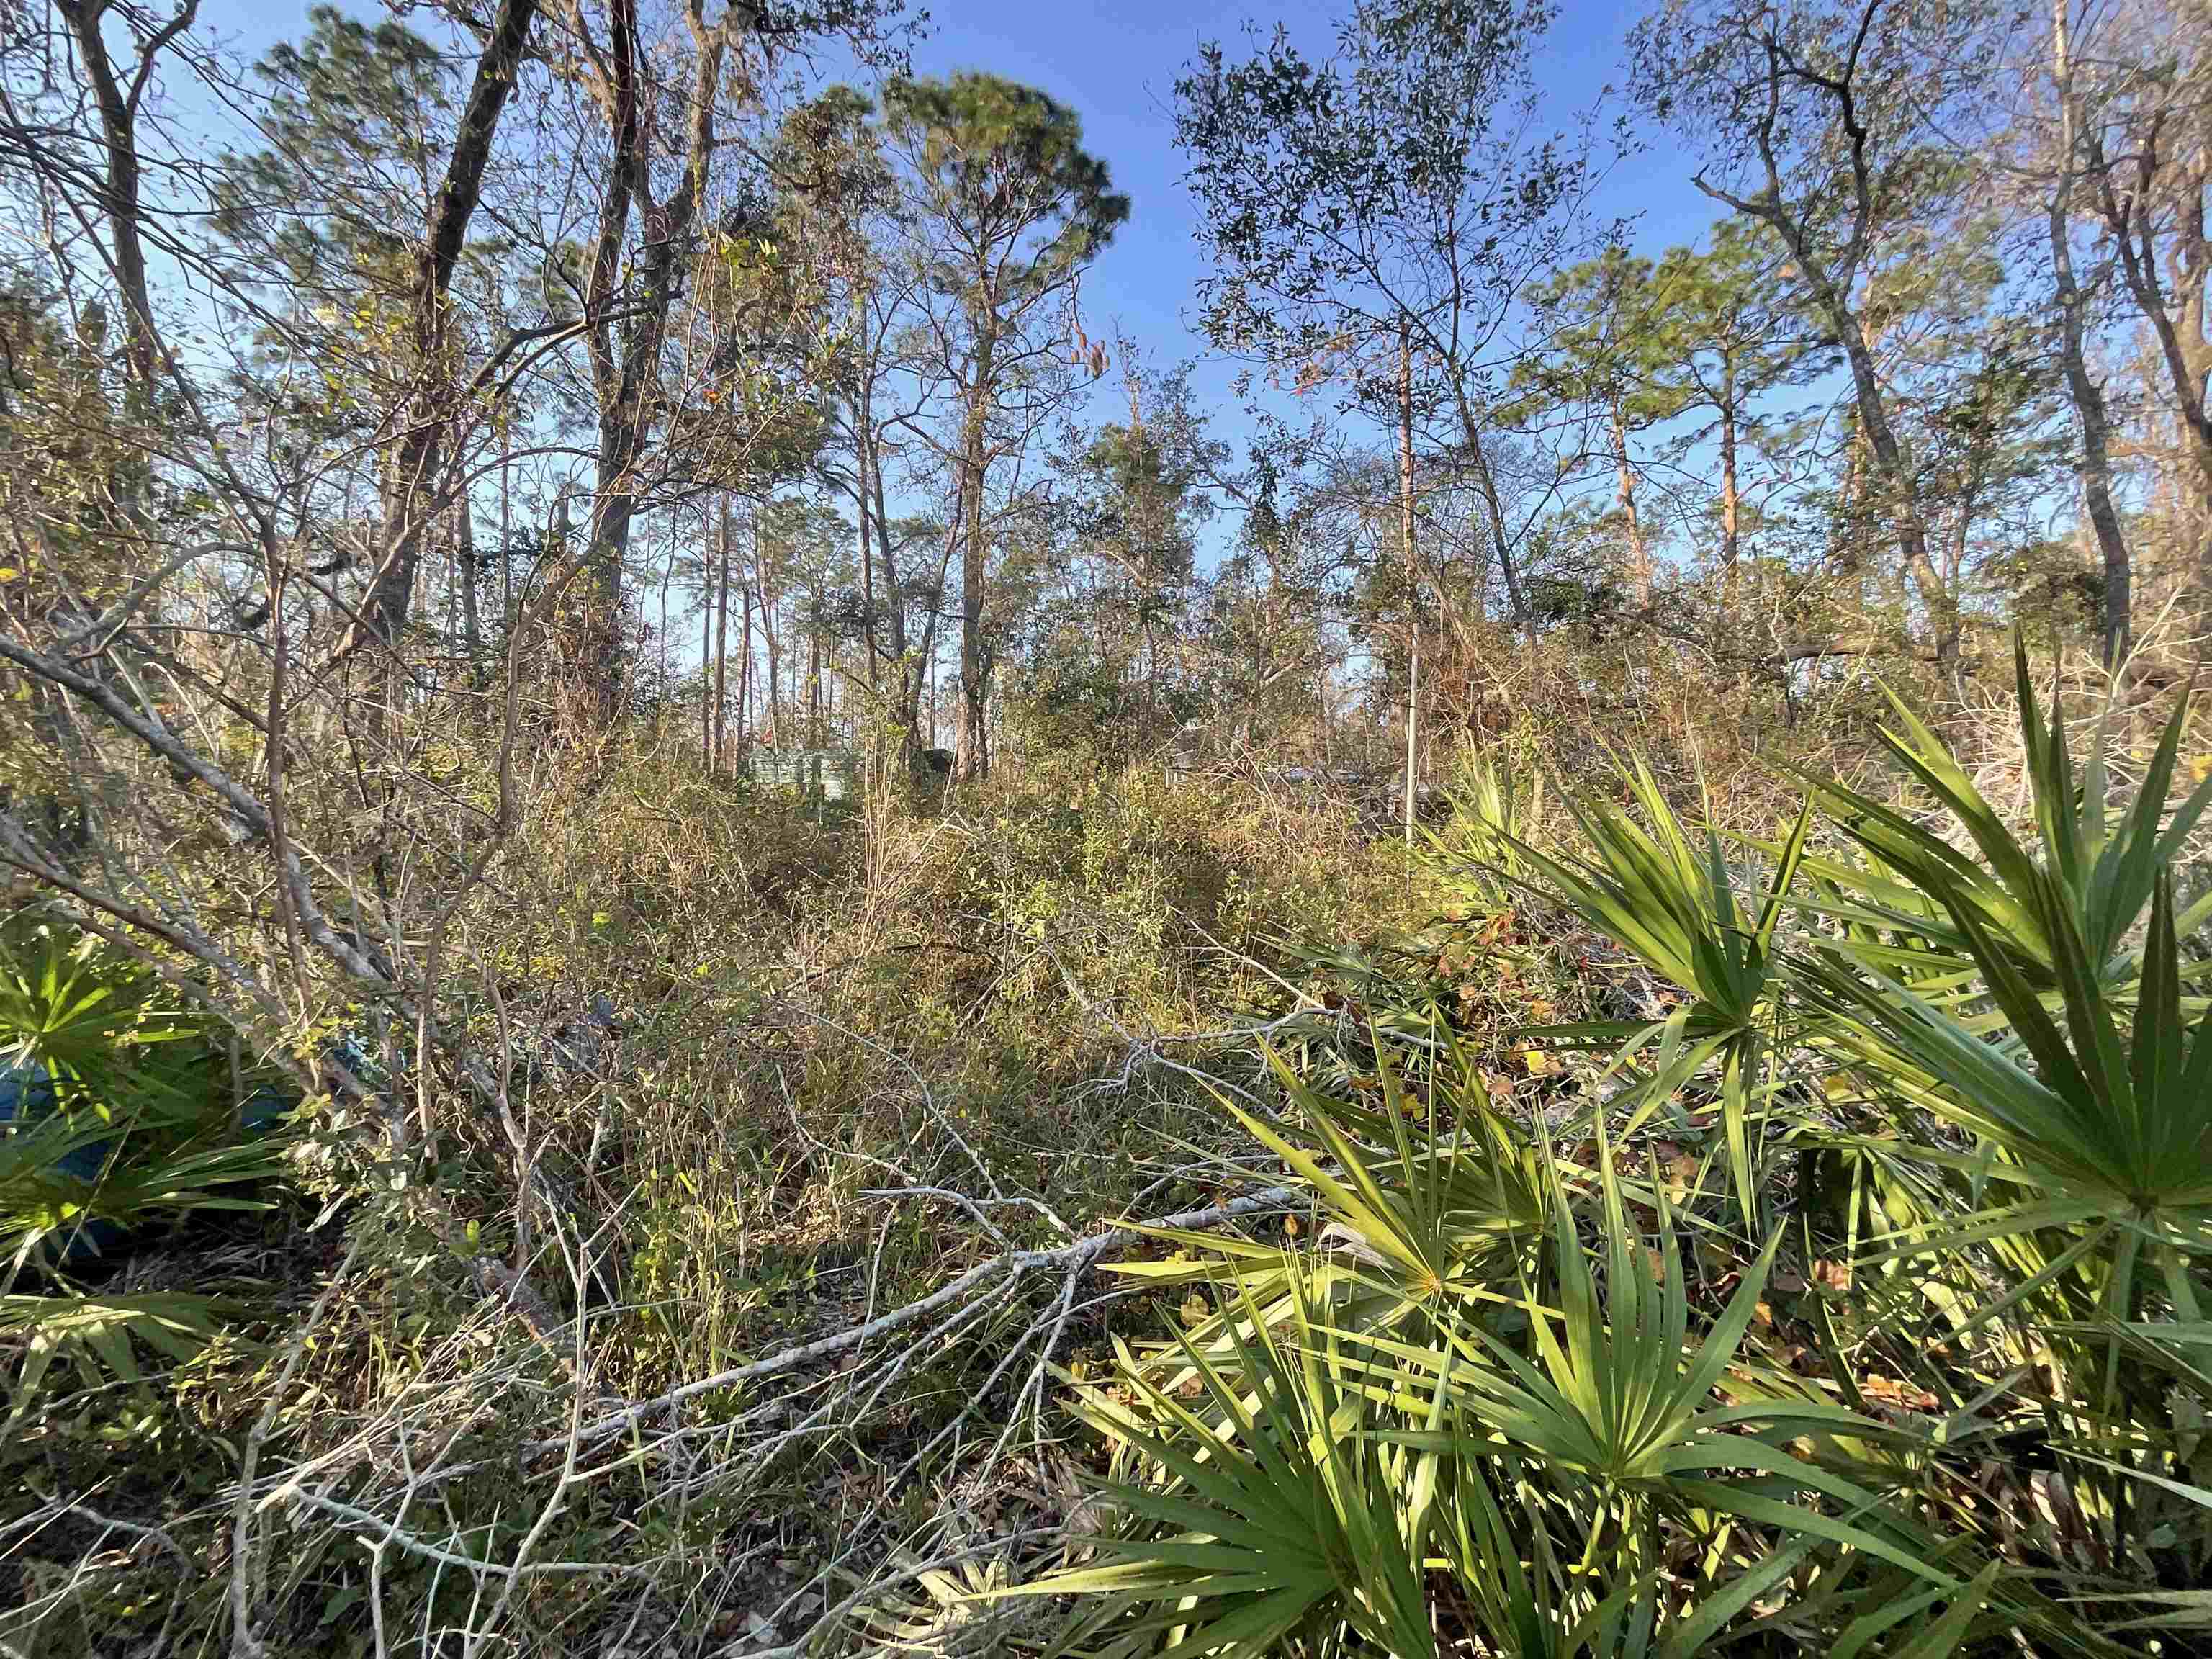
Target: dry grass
{"type": "Point", "coordinates": [852, 1061]}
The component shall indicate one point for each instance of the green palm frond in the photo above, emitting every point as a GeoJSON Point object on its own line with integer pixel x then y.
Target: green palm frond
{"type": "Point", "coordinates": [1417, 1199]}
{"type": "Point", "coordinates": [1679, 912]}
{"type": "Point", "coordinates": [1495, 812]}
{"type": "Point", "coordinates": [95, 1026]}
{"type": "Point", "coordinates": [98, 1337]}
{"type": "Point", "coordinates": [2108, 1117]}
{"type": "Point", "coordinates": [1616, 1398]}
{"type": "Point", "coordinates": [125, 1111]}
{"type": "Point", "coordinates": [2097, 859]}
{"type": "Point", "coordinates": [1270, 1518]}
{"type": "Point", "coordinates": [1478, 1407]}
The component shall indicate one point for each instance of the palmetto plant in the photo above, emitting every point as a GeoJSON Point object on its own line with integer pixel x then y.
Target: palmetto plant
{"type": "Point", "coordinates": [1616, 1398]}
{"type": "Point", "coordinates": [2071, 1221]}
{"type": "Point", "coordinates": [1417, 1200]}
{"type": "Point", "coordinates": [125, 1107]}
{"type": "Point", "coordinates": [2091, 860]}
{"type": "Point", "coordinates": [1270, 1515]}
{"type": "Point", "coordinates": [1496, 811]}
{"type": "Point", "coordinates": [97, 1336]}
{"type": "Point", "coordinates": [1677, 911]}
{"type": "Point", "coordinates": [2092, 1117]}
{"type": "Point", "coordinates": [1484, 1385]}
{"type": "Point", "coordinates": [2087, 1188]}
{"type": "Point", "coordinates": [1326, 1489]}
{"type": "Point", "coordinates": [124, 1113]}
{"type": "Point", "coordinates": [2102, 1115]}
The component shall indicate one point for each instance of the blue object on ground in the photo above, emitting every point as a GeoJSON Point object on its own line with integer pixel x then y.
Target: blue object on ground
{"type": "Point", "coordinates": [26, 1094]}
{"type": "Point", "coordinates": [265, 1108]}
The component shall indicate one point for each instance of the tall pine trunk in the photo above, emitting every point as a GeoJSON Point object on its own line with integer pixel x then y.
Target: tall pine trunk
{"type": "Point", "coordinates": [707, 755]}
{"type": "Point", "coordinates": [1639, 555]}
{"type": "Point", "coordinates": [971, 751]}
{"type": "Point", "coordinates": [1730, 498]}
{"type": "Point", "coordinates": [721, 635]}
{"type": "Point", "coordinates": [745, 675]}
{"type": "Point", "coordinates": [465, 555]}
{"type": "Point", "coordinates": [1412, 584]}
{"type": "Point", "coordinates": [769, 599]}
{"type": "Point", "coordinates": [413, 478]}
{"type": "Point", "coordinates": [2095, 470]}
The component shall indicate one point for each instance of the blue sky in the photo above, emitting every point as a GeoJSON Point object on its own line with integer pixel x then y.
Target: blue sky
{"type": "Point", "coordinates": [1115, 64]}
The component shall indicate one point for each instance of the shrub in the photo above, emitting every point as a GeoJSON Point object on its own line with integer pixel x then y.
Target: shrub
{"type": "Point", "coordinates": [1613, 1431]}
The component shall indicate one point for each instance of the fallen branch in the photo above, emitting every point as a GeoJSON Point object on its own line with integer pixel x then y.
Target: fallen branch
{"type": "Point", "coordinates": [876, 1585]}
{"type": "Point", "coordinates": [359, 959]}
{"type": "Point", "coordinates": [1066, 1259]}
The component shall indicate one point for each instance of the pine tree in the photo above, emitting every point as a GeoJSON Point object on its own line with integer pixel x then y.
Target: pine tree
{"type": "Point", "coordinates": [1009, 209]}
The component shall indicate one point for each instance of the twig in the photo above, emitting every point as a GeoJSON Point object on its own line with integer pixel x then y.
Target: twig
{"type": "Point", "coordinates": [1066, 1259]}
{"type": "Point", "coordinates": [877, 1586]}
{"type": "Point", "coordinates": [243, 1641]}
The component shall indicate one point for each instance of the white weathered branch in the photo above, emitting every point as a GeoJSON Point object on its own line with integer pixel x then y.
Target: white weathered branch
{"type": "Point", "coordinates": [1067, 1260]}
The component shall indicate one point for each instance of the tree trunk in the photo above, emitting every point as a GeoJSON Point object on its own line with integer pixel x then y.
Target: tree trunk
{"type": "Point", "coordinates": [608, 551]}
{"type": "Point", "coordinates": [707, 755]}
{"type": "Point", "coordinates": [721, 635]}
{"type": "Point", "coordinates": [464, 556]}
{"type": "Point", "coordinates": [667, 581]}
{"type": "Point", "coordinates": [1639, 556]}
{"type": "Point", "coordinates": [745, 676]}
{"type": "Point", "coordinates": [625, 356]}
{"type": "Point", "coordinates": [2193, 265]}
{"type": "Point", "coordinates": [449, 627]}
{"type": "Point", "coordinates": [119, 129]}
{"type": "Point", "coordinates": [910, 673]}
{"type": "Point", "coordinates": [2095, 470]}
{"type": "Point", "coordinates": [1406, 548]}
{"type": "Point", "coordinates": [925, 652]}
{"type": "Point", "coordinates": [769, 597]}
{"type": "Point", "coordinates": [1486, 487]}
{"type": "Point", "coordinates": [1321, 714]}
{"type": "Point", "coordinates": [418, 463]}
{"type": "Point", "coordinates": [506, 536]}
{"type": "Point", "coordinates": [1730, 497]}
{"type": "Point", "coordinates": [862, 446]}
{"type": "Point", "coordinates": [1900, 491]}
{"type": "Point", "coordinates": [2127, 213]}
{"type": "Point", "coordinates": [814, 718]}
{"type": "Point", "coordinates": [971, 753]}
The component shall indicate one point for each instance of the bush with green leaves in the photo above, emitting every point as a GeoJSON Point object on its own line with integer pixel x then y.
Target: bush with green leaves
{"type": "Point", "coordinates": [1548, 1390]}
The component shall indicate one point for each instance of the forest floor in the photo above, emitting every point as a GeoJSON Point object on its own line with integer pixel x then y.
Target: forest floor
{"type": "Point", "coordinates": [745, 1320]}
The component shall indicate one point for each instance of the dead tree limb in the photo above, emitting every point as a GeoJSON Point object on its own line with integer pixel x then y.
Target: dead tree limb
{"type": "Point", "coordinates": [1007, 1267]}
